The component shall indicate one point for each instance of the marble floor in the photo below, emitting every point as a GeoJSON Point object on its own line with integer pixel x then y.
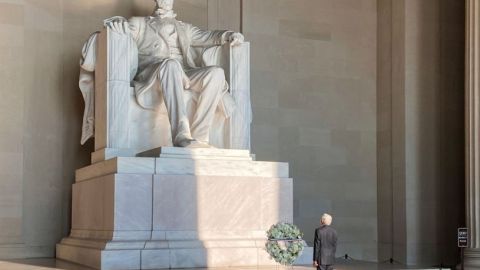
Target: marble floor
{"type": "Point", "coordinates": [52, 264]}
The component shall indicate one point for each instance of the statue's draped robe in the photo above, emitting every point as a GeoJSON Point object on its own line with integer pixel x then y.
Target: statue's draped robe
{"type": "Point", "coordinates": [87, 85]}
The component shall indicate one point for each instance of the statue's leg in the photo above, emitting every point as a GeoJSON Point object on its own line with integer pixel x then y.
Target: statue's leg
{"type": "Point", "coordinates": [170, 75]}
{"type": "Point", "coordinates": [209, 82]}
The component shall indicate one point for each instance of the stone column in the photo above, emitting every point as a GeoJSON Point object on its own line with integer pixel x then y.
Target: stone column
{"type": "Point", "coordinates": [472, 82]}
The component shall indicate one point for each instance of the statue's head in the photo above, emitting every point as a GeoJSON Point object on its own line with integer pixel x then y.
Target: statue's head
{"type": "Point", "coordinates": [165, 4]}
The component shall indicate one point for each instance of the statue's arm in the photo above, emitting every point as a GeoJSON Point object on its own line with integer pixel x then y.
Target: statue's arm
{"type": "Point", "coordinates": [202, 38]}
{"type": "Point", "coordinates": [136, 26]}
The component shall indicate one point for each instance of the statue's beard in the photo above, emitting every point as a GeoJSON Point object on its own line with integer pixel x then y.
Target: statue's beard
{"type": "Point", "coordinates": [163, 13]}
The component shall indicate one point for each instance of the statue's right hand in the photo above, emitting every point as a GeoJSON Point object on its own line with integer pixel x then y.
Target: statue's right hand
{"type": "Point", "coordinates": [117, 24]}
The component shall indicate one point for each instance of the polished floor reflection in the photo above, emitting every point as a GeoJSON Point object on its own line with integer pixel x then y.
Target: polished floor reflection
{"type": "Point", "coordinates": [52, 264]}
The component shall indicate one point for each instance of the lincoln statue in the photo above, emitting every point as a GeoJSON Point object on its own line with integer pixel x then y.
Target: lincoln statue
{"type": "Point", "coordinates": [166, 69]}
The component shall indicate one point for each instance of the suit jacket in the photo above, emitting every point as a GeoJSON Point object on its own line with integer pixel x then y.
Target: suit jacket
{"type": "Point", "coordinates": [153, 48]}
{"type": "Point", "coordinates": [325, 245]}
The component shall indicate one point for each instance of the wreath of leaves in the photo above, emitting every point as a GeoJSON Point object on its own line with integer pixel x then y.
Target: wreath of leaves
{"type": "Point", "coordinates": [285, 243]}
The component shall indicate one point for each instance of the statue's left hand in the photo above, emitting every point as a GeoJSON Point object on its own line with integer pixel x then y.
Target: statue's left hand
{"type": "Point", "coordinates": [236, 39]}
{"type": "Point", "coordinates": [117, 24]}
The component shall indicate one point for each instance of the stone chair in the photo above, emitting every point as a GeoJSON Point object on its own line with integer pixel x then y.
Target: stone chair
{"type": "Point", "coordinates": [122, 128]}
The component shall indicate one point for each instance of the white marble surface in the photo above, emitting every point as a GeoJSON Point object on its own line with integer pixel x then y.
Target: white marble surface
{"type": "Point", "coordinates": [111, 234]}
{"type": "Point", "coordinates": [191, 220]}
{"type": "Point", "coordinates": [180, 257]}
{"type": "Point", "coordinates": [240, 122]}
{"type": "Point", "coordinates": [155, 259]}
{"type": "Point", "coordinates": [207, 234]}
{"type": "Point", "coordinates": [120, 259]}
{"type": "Point", "coordinates": [198, 208]}
{"type": "Point", "coordinates": [219, 203]}
{"type": "Point", "coordinates": [126, 165]}
{"type": "Point", "coordinates": [109, 153]}
{"type": "Point", "coordinates": [172, 164]}
{"type": "Point", "coordinates": [180, 166]}
{"type": "Point", "coordinates": [133, 202]}
{"type": "Point", "coordinates": [117, 202]}
{"type": "Point", "coordinates": [197, 153]}
{"type": "Point", "coordinates": [111, 56]}
{"type": "Point", "coordinates": [92, 205]}
{"type": "Point", "coordinates": [113, 99]}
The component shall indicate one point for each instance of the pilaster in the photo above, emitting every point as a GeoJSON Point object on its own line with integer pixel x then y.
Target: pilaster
{"type": "Point", "coordinates": [472, 102]}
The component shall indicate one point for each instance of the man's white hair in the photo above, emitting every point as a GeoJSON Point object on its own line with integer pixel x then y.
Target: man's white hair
{"type": "Point", "coordinates": [326, 219]}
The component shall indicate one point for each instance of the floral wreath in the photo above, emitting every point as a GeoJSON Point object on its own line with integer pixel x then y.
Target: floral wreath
{"type": "Point", "coordinates": [285, 243]}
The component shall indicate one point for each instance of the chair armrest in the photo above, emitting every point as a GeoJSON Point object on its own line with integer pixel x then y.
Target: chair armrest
{"type": "Point", "coordinates": [238, 73]}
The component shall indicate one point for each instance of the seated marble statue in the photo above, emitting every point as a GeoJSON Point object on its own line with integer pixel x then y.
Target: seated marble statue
{"type": "Point", "coordinates": [166, 69]}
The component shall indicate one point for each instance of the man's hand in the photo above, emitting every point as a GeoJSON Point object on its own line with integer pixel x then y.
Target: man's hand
{"type": "Point", "coordinates": [236, 39]}
{"type": "Point", "coordinates": [315, 263]}
{"type": "Point", "coordinates": [117, 24]}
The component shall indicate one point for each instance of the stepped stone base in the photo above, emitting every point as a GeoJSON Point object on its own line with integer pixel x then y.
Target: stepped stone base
{"type": "Point", "coordinates": [177, 208]}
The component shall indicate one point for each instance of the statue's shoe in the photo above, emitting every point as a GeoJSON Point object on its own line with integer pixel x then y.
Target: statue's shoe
{"type": "Point", "coordinates": [198, 144]}
{"type": "Point", "coordinates": [192, 143]}
{"type": "Point", "coordinates": [183, 142]}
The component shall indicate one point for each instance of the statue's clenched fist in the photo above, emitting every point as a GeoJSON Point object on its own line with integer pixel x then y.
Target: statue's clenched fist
{"type": "Point", "coordinates": [235, 38]}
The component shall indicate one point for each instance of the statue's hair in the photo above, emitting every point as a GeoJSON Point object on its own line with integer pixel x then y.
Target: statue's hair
{"type": "Point", "coordinates": [326, 219]}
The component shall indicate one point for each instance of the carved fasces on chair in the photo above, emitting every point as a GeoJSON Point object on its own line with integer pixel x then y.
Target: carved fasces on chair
{"type": "Point", "coordinates": [239, 73]}
{"type": "Point", "coordinates": [117, 60]}
{"type": "Point", "coordinates": [122, 126]}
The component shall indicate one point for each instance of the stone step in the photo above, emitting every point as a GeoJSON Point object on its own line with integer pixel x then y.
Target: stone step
{"type": "Point", "coordinates": [200, 257]}
{"type": "Point", "coordinates": [177, 152]}
{"type": "Point", "coordinates": [183, 166]}
{"type": "Point", "coordinates": [197, 153]}
{"type": "Point", "coordinates": [118, 165]}
{"type": "Point", "coordinates": [176, 166]}
{"type": "Point", "coordinates": [161, 244]}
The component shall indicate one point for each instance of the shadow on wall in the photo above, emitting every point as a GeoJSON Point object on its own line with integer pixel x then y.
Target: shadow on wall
{"type": "Point", "coordinates": [435, 167]}
{"type": "Point", "coordinates": [422, 98]}
{"type": "Point", "coordinates": [451, 104]}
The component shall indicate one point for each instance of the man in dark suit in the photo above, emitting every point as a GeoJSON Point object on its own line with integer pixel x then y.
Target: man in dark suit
{"type": "Point", "coordinates": [325, 244]}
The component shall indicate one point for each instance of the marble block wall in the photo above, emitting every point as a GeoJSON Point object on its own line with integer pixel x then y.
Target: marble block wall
{"type": "Point", "coordinates": [31, 127]}
{"type": "Point", "coordinates": [314, 106]}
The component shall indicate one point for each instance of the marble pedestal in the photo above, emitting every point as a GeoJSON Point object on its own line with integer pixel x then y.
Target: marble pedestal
{"type": "Point", "coordinates": [183, 208]}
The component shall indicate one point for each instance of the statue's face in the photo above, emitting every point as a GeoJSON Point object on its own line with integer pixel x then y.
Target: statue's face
{"type": "Point", "coordinates": [165, 4]}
